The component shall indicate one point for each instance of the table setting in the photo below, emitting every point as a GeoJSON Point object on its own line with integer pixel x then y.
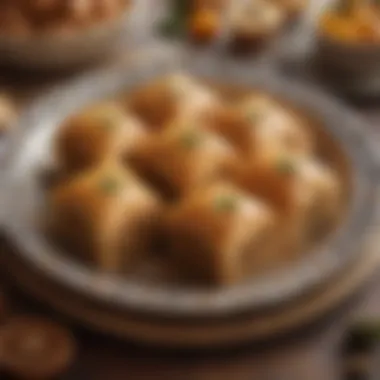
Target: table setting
{"type": "Point", "coordinates": [189, 190]}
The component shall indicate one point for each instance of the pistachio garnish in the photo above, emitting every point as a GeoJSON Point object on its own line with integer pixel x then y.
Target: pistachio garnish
{"type": "Point", "coordinates": [109, 185]}
{"type": "Point", "coordinates": [285, 166]}
{"type": "Point", "coordinates": [108, 121]}
{"type": "Point", "coordinates": [226, 203]}
{"type": "Point", "coordinates": [190, 139]}
{"type": "Point", "coordinates": [253, 116]}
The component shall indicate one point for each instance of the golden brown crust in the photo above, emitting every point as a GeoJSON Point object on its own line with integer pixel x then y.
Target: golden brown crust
{"type": "Point", "coordinates": [104, 216]}
{"type": "Point", "coordinates": [198, 143]}
{"type": "Point", "coordinates": [215, 230]}
{"type": "Point", "coordinates": [96, 134]}
{"type": "Point", "coordinates": [182, 158]}
{"type": "Point", "coordinates": [268, 181]}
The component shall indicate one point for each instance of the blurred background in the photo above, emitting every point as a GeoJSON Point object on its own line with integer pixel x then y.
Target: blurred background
{"type": "Point", "coordinates": [330, 46]}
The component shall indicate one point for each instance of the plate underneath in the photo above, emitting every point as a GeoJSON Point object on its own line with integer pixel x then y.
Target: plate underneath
{"type": "Point", "coordinates": [192, 334]}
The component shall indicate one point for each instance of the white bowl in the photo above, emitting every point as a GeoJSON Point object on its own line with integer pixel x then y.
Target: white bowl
{"type": "Point", "coordinates": [60, 51]}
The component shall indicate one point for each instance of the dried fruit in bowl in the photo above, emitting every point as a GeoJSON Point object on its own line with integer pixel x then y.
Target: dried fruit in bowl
{"type": "Point", "coordinates": [205, 25]}
{"type": "Point", "coordinates": [352, 21]}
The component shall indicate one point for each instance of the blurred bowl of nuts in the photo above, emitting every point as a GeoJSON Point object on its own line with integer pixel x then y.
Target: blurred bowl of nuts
{"type": "Point", "coordinates": [242, 25]}
{"type": "Point", "coordinates": [45, 34]}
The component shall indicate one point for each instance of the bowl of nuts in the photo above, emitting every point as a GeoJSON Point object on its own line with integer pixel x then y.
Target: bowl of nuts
{"type": "Point", "coordinates": [61, 34]}
{"type": "Point", "coordinates": [242, 26]}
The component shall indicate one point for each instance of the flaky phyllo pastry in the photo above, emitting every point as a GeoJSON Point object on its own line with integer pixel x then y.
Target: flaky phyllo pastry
{"type": "Point", "coordinates": [229, 187]}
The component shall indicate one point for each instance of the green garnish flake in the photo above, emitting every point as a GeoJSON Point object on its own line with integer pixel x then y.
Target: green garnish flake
{"type": "Point", "coordinates": [286, 167]}
{"type": "Point", "coordinates": [190, 140]}
{"type": "Point", "coordinates": [226, 203]}
{"type": "Point", "coordinates": [108, 122]}
{"type": "Point", "coordinates": [176, 90]}
{"type": "Point", "coordinates": [253, 116]}
{"type": "Point", "coordinates": [110, 185]}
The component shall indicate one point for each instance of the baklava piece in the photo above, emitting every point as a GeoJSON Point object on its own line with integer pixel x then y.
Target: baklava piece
{"type": "Point", "coordinates": [259, 123]}
{"type": "Point", "coordinates": [305, 193]}
{"type": "Point", "coordinates": [220, 235]}
{"type": "Point", "coordinates": [174, 96]}
{"type": "Point", "coordinates": [182, 157]}
{"type": "Point", "coordinates": [104, 215]}
{"type": "Point", "coordinates": [278, 126]}
{"type": "Point", "coordinates": [96, 133]}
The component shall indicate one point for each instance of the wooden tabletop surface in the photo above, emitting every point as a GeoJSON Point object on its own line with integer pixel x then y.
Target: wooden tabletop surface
{"type": "Point", "coordinates": [311, 354]}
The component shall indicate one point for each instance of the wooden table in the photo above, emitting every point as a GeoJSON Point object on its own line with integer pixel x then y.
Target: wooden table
{"type": "Point", "coordinates": [312, 353]}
